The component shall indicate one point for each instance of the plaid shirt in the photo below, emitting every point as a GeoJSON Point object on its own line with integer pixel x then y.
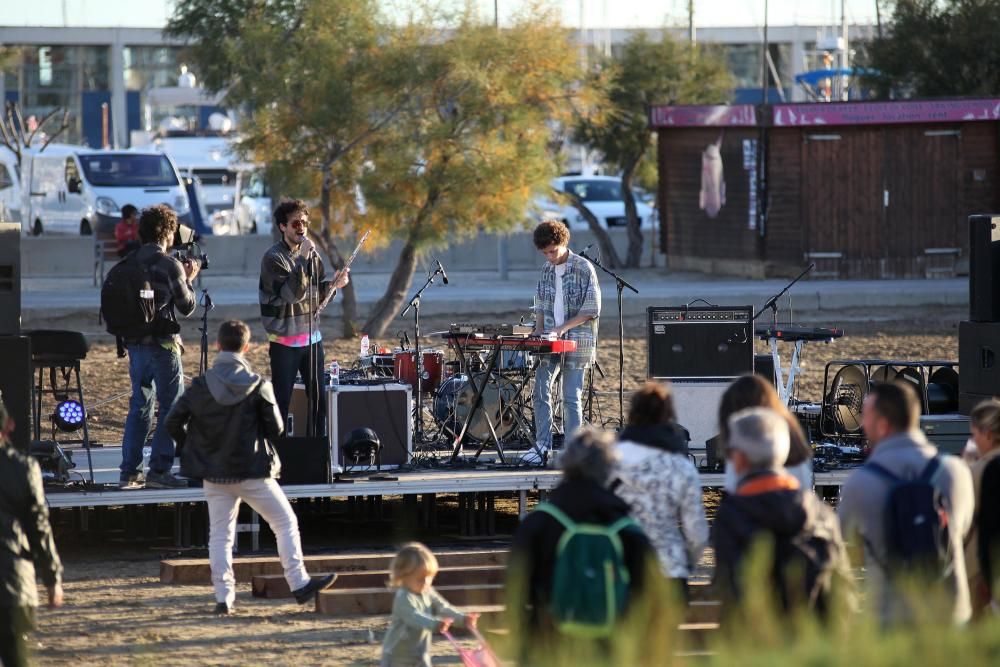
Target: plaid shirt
{"type": "Point", "coordinates": [581, 296]}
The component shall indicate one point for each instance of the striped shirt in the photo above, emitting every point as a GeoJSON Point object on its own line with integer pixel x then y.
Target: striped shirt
{"type": "Point", "coordinates": [581, 296]}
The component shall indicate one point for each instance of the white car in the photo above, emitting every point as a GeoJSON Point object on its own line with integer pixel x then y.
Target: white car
{"type": "Point", "coordinates": [252, 214]}
{"type": "Point", "coordinates": [602, 195]}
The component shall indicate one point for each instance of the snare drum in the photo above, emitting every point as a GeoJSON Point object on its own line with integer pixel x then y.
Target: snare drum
{"type": "Point", "coordinates": [405, 368]}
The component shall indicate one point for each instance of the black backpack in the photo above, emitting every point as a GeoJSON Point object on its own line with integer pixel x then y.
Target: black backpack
{"type": "Point", "coordinates": [127, 299]}
{"type": "Point", "coordinates": [916, 523]}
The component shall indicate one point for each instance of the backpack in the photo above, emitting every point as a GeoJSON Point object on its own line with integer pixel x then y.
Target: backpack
{"type": "Point", "coordinates": [127, 299]}
{"type": "Point", "coordinates": [590, 582]}
{"type": "Point", "coordinates": [916, 524]}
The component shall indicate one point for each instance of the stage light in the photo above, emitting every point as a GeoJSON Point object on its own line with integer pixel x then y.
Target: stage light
{"type": "Point", "coordinates": [361, 447]}
{"type": "Point", "coordinates": [69, 415]}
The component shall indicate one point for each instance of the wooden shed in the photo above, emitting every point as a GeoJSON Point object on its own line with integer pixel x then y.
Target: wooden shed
{"type": "Point", "coordinates": [864, 189]}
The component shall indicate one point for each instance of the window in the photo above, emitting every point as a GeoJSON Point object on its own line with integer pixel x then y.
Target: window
{"type": "Point", "coordinates": [215, 176]}
{"type": "Point", "coordinates": [72, 173]}
{"type": "Point", "coordinates": [595, 190]}
{"type": "Point", "coordinates": [117, 170]}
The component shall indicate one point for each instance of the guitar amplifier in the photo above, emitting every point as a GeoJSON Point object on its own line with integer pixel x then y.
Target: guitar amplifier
{"type": "Point", "coordinates": [385, 408]}
{"type": "Point", "coordinates": [699, 343]}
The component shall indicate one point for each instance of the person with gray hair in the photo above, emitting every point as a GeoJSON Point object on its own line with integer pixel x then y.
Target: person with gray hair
{"type": "Point", "coordinates": [808, 558]}
{"type": "Point", "coordinates": [582, 497]}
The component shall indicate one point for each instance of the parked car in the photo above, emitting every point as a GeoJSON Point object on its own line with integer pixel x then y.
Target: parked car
{"type": "Point", "coordinates": [10, 187]}
{"type": "Point", "coordinates": [602, 195]}
{"type": "Point", "coordinates": [72, 189]}
{"type": "Point", "coordinates": [252, 214]}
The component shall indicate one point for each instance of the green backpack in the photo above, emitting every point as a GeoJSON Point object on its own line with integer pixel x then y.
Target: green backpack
{"type": "Point", "coordinates": [590, 582]}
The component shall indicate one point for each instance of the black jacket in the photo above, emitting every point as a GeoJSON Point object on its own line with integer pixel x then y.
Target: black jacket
{"type": "Point", "coordinates": [668, 437]}
{"type": "Point", "coordinates": [805, 533]}
{"type": "Point", "coordinates": [988, 527]}
{"type": "Point", "coordinates": [533, 554]}
{"type": "Point", "coordinates": [224, 423]}
{"type": "Point", "coordinates": [26, 544]}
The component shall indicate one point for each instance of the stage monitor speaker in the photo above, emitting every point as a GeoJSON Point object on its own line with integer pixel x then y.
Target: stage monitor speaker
{"type": "Point", "coordinates": [303, 460]}
{"type": "Point", "coordinates": [15, 383]}
{"type": "Point", "coordinates": [10, 279]}
{"type": "Point", "coordinates": [697, 407]}
{"type": "Point", "coordinates": [984, 268]}
{"type": "Point", "coordinates": [699, 343]}
{"type": "Point", "coordinates": [979, 358]}
{"type": "Point", "coordinates": [384, 408]}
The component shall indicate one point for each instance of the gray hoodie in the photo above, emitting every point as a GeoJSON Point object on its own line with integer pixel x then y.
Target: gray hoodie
{"type": "Point", "coordinates": [230, 379]}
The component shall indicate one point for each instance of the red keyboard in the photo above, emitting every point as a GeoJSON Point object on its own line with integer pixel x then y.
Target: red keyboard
{"type": "Point", "coordinates": [529, 343]}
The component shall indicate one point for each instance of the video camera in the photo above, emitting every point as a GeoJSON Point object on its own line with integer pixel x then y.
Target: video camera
{"type": "Point", "coordinates": [185, 247]}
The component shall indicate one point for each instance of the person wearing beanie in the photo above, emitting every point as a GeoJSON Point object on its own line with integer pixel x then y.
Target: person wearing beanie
{"type": "Point", "coordinates": [767, 505]}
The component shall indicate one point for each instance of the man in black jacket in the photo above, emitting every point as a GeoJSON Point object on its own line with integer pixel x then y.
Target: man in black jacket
{"type": "Point", "coordinates": [26, 548]}
{"type": "Point", "coordinates": [223, 426]}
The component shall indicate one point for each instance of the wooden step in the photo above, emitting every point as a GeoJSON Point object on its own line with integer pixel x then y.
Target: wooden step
{"type": "Point", "coordinates": [198, 571]}
{"type": "Point", "coordinates": [368, 601]}
{"type": "Point", "coordinates": [274, 586]}
{"type": "Point", "coordinates": [703, 611]}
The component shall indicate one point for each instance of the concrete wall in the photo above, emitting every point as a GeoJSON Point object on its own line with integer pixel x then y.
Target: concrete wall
{"type": "Point", "coordinates": [73, 256]}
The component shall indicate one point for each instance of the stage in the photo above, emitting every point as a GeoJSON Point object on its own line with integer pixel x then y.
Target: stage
{"type": "Point", "coordinates": [463, 479]}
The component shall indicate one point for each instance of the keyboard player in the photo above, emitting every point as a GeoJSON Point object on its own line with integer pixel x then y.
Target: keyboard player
{"type": "Point", "coordinates": [568, 305]}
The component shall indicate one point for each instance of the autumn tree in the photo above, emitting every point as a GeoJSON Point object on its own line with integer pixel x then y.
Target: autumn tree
{"type": "Point", "coordinates": [646, 72]}
{"type": "Point", "coordinates": [473, 153]}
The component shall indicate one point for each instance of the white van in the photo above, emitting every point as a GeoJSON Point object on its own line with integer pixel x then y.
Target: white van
{"type": "Point", "coordinates": [72, 189]}
{"type": "Point", "coordinates": [10, 186]}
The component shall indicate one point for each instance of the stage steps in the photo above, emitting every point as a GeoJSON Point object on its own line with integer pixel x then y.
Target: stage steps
{"type": "Point", "coordinates": [274, 586]}
{"type": "Point", "coordinates": [198, 571]}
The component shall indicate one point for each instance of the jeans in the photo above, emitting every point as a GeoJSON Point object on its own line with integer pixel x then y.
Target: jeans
{"type": "Point", "coordinates": [285, 363]}
{"type": "Point", "coordinates": [150, 365]}
{"type": "Point", "coordinates": [572, 386]}
{"type": "Point", "coordinates": [269, 501]}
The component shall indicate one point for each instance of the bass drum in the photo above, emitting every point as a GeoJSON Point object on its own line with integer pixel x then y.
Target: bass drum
{"type": "Point", "coordinates": [454, 401]}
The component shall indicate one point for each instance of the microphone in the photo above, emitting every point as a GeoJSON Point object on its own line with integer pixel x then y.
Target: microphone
{"type": "Point", "coordinates": [444, 276]}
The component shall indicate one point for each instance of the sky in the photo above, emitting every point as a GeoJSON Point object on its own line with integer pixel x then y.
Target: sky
{"type": "Point", "coordinates": [596, 13]}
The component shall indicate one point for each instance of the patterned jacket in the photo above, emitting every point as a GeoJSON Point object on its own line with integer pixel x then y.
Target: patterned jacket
{"type": "Point", "coordinates": [284, 303]}
{"type": "Point", "coordinates": [582, 296]}
{"type": "Point", "coordinates": [664, 492]}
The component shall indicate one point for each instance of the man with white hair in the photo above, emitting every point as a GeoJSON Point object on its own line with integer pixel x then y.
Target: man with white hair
{"type": "Point", "coordinates": [801, 535]}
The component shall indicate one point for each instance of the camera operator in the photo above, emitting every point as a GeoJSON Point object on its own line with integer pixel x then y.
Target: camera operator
{"type": "Point", "coordinates": [286, 311]}
{"type": "Point", "coordinates": [156, 358]}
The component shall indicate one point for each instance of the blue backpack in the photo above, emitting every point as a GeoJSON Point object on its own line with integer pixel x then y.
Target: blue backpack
{"type": "Point", "coordinates": [916, 523]}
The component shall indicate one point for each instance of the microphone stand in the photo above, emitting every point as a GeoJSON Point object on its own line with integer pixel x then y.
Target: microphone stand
{"type": "Point", "coordinates": [772, 303]}
{"type": "Point", "coordinates": [206, 303]}
{"type": "Point", "coordinates": [313, 384]}
{"type": "Point", "coordinates": [621, 284]}
{"type": "Point", "coordinates": [418, 360]}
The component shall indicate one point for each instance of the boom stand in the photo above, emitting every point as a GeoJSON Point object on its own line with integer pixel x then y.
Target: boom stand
{"type": "Point", "coordinates": [621, 284]}
{"type": "Point", "coordinates": [772, 303]}
{"type": "Point", "coordinates": [207, 305]}
{"type": "Point", "coordinates": [418, 359]}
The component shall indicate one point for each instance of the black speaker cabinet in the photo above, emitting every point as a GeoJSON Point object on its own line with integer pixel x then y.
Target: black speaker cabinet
{"type": "Point", "coordinates": [979, 358]}
{"type": "Point", "coordinates": [699, 343]}
{"type": "Point", "coordinates": [984, 268]}
{"type": "Point", "coordinates": [10, 279]}
{"type": "Point", "coordinates": [15, 383]}
{"type": "Point", "coordinates": [384, 408]}
{"type": "Point", "coordinates": [763, 365]}
{"type": "Point", "coordinates": [303, 460]}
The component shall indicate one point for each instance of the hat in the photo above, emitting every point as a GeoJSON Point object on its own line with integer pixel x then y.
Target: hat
{"type": "Point", "coordinates": [761, 434]}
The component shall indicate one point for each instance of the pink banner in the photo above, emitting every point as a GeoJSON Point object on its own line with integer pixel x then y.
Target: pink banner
{"type": "Point", "coordinates": [885, 113]}
{"type": "Point", "coordinates": [722, 115]}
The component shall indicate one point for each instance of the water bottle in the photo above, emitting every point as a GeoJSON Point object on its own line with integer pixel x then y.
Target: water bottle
{"type": "Point", "coordinates": [147, 451]}
{"type": "Point", "coordinates": [365, 345]}
{"type": "Point", "coordinates": [334, 373]}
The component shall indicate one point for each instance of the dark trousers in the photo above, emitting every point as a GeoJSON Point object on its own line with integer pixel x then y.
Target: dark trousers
{"type": "Point", "coordinates": [15, 624]}
{"type": "Point", "coordinates": [285, 363]}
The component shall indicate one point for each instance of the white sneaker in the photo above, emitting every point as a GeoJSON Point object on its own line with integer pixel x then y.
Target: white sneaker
{"type": "Point", "coordinates": [534, 457]}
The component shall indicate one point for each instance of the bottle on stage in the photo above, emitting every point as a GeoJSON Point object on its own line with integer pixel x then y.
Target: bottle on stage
{"type": "Point", "coordinates": [365, 345]}
{"type": "Point", "coordinates": [334, 373]}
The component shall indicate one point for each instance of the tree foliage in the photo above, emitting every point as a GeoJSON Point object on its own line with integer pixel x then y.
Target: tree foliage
{"type": "Point", "coordinates": [645, 73]}
{"type": "Point", "coordinates": [937, 48]}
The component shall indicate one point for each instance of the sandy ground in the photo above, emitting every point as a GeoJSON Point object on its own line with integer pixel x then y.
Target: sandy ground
{"type": "Point", "coordinates": [118, 614]}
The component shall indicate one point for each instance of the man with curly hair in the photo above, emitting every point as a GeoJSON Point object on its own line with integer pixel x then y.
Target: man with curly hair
{"type": "Point", "coordinates": [567, 305]}
{"type": "Point", "coordinates": [154, 361]}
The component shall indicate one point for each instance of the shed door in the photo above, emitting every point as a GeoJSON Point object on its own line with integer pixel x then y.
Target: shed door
{"type": "Point", "coordinates": [920, 195]}
{"type": "Point", "coordinates": [842, 195]}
